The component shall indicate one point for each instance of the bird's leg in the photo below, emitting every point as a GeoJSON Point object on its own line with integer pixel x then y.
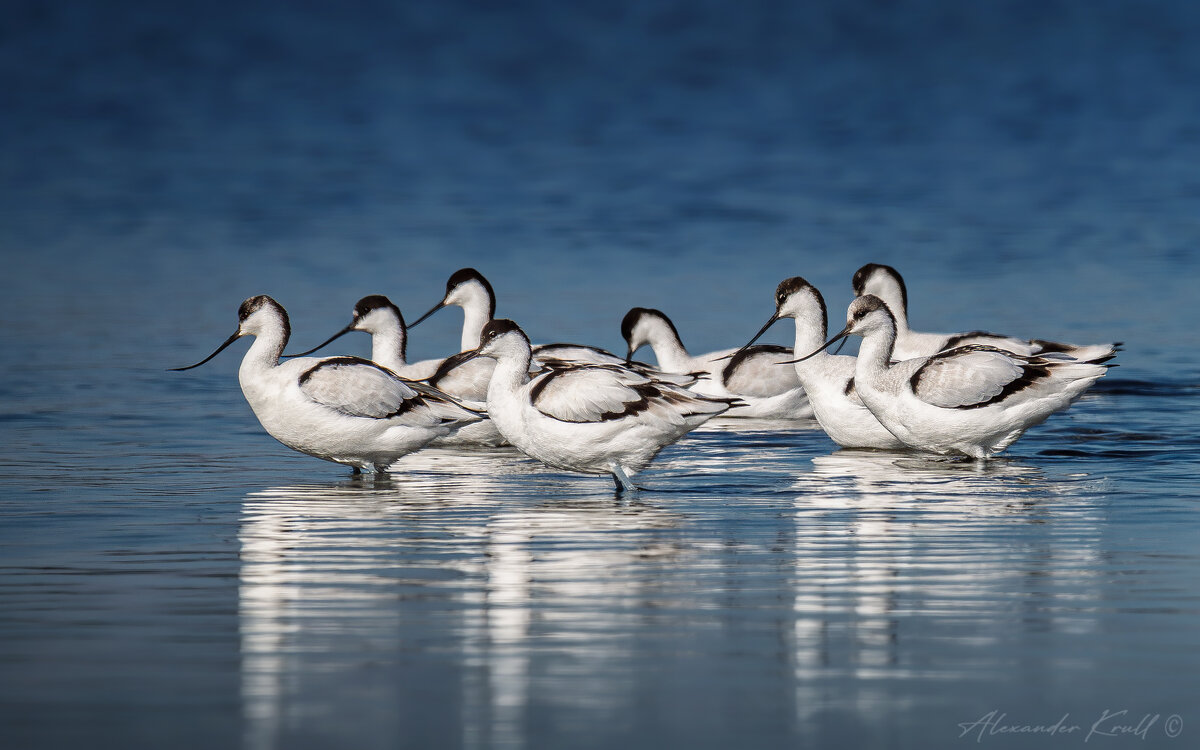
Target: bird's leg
{"type": "Point", "coordinates": [622, 479]}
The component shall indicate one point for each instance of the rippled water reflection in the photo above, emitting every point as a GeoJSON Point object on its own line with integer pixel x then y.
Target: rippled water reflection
{"type": "Point", "coordinates": [901, 590]}
{"type": "Point", "coordinates": [467, 581]}
{"type": "Point", "coordinates": [769, 589]}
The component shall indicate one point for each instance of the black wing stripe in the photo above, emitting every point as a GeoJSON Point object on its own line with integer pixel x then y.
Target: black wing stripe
{"type": "Point", "coordinates": [752, 351]}
{"type": "Point", "coordinates": [542, 349]}
{"type": "Point", "coordinates": [340, 362]}
{"type": "Point", "coordinates": [1051, 346]}
{"type": "Point", "coordinates": [958, 338]}
{"type": "Point", "coordinates": [448, 365]}
{"type": "Point", "coordinates": [406, 405]}
{"type": "Point", "coordinates": [1030, 374]}
{"type": "Point", "coordinates": [647, 393]}
{"type": "Point", "coordinates": [540, 384]}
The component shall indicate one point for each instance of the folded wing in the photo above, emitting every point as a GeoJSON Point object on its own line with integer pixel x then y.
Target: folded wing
{"type": "Point", "coordinates": [598, 393]}
{"type": "Point", "coordinates": [359, 388]}
{"type": "Point", "coordinates": [973, 376]}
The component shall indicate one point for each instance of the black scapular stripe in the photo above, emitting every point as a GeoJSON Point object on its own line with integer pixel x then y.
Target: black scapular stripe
{"type": "Point", "coordinates": [748, 352]}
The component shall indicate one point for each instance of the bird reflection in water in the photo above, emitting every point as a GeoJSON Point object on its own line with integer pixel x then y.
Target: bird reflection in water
{"type": "Point", "coordinates": [380, 595]}
{"type": "Point", "coordinates": [883, 540]}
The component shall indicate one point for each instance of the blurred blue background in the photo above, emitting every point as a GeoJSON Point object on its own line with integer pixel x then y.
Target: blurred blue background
{"type": "Point", "coordinates": [1028, 165]}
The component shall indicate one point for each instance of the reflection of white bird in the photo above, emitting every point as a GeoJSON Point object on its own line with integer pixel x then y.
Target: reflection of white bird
{"type": "Point", "coordinates": [750, 374]}
{"type": "Point", "coordinates": [974, 399]}
{"type": "Point", "coordinates": [828, 379]}
{"type": "Point", "coordinates": [341, 409]}
{"type": "Point", "coordinates": [885, 283]}
{"type": "Point", "coordinates": [465, 380]}
{"type": "Point", "coordinates": [594, 419]}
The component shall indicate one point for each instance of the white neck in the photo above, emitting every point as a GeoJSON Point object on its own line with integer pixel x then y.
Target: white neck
{"type": "Point", "coordinates": [262, 355]}
{"type": "Point", "coordinates": [875, 354]}
{"type": "Point", "coordinates": [476, 314]}
{"type": "Point", "coordinates": [809, 338]}
{"type": "Point", "coordinates": [387, 345]}
{"type": "Point", "coordinates": [510, 374]}
{"type": "Point", "coordinates": [669, 350]}
{"type": "Point", "coordinates": [891, 291]}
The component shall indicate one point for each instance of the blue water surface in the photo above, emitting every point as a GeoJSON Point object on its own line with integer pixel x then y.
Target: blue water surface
{"type": "Point", "coordinates": [170, 576]}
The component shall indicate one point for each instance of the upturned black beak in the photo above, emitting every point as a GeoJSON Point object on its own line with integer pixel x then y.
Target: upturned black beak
{"type": "Point", "coordinates": [236, 335]}
{"type": "Point", "coordinates": [757, 336]}
{"type": "Point", "coordinates": [327, 342]}
{"type": "Point", "coordinates": [838, 337]}
{"type": "Point", "coordinates": [432, 310]}
{"type": "Point", "coordinates": [463, 357]}
{"type": "Point", "coordinates": [629, 356]}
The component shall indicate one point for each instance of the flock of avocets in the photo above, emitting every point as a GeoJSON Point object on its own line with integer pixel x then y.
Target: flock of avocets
{"type": "Point", "coordinates": [579, 408]}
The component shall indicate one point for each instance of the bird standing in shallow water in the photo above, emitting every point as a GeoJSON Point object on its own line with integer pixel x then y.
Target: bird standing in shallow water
{"type": "Point", "coordinates": [828, 379]}
{"type": "Point", "coordinates": [974, 400]}
{"type": "Point", "coordinates": [464, 380]}
{"type": "Point", "coordinates": [885, 283]}
{"type": "Point", "coordinates": [593, 419]}
{"type": "Point", "coordinates": [342, 409]}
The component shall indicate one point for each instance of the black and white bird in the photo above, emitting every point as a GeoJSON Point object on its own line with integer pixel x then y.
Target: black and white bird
{"type": "Point", "coordinates": [885, 283]}
{"type": "Point", "coordinates": [828, 379]}
{"type": "Point", "coordinates": [750, 374]}
{"type": "Point", "coordinates": [974, 400]}
{"type": "Point", "coordinates": [468, 289]}
{"type": "Point", "coordinates": [588, 418]}
{"type": "Point", "coordinates": [464, 380]}
{"type": "Point", "coordinates": [342, 409]}
{"type": "Point", "coordinates": [377, 315]}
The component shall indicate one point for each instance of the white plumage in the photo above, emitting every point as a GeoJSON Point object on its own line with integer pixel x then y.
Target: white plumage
{"type": "Point", "coordinates": [974, 400]}
{"type": "Point", "coordinates": [342, 409]}
{"type": "Point", "coordinates": [885, 283]}
{"type": "Point", "coordinates": [828, 379]}
{"type": "Point", "coordinates": [594, 419]}
{"type": "Point", "coordinates": [972, 376]}
{"type": "Point", "coordinates": [466, 381]}
{"type": "Point", "coordinates": [353, 387]}
{"type": "Point", "coordinates": [750, 374]}
{"type": "Point", "coordinates": [586, 393]}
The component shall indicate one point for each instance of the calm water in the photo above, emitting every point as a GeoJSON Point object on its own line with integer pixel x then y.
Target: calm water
{"type": "Point", "coordinates": [172, 577]}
